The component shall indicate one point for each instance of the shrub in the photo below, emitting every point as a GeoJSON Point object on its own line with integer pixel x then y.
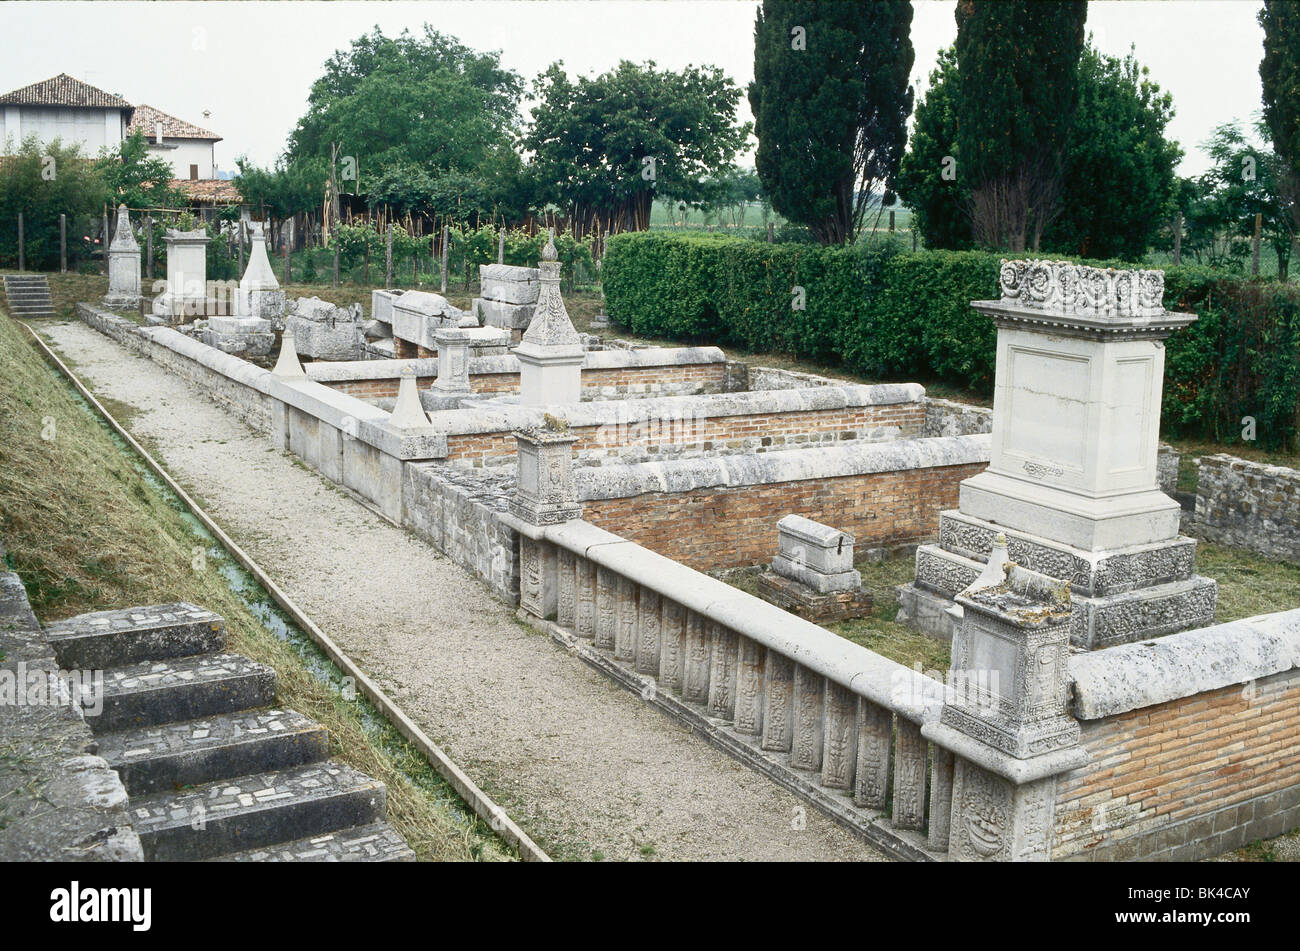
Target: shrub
{"type": "Point", "coordinates": [893, 314]}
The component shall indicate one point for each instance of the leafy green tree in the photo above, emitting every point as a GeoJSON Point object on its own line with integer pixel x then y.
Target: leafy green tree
{"type": "Point", "coordinates": [1279, 73]}
{"type": "Point", "coordinates": [1119, 171]}
{"type": "Point", "coordinates": [41, 182]}
{"type": "Point", "coordinates": [927, 179]}
{"type": "Point", "coordinates": [1118, 180]}
{"type": "Point", "coordinates": [136, 178]}
{"type": "Point", "coordinates": [1247, 180]}
{"type": "Point", "coordinates": [603, 148]}
{"type": "Point", "coordinates": [830, 100]}
{"type": "Point", "coordinates": [425, 100]}
{"type": "Point", "coordinates": [1018, 61]}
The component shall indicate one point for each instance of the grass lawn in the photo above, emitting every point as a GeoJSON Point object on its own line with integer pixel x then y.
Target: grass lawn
{"type": "Point", "coordinates": [87, 527]}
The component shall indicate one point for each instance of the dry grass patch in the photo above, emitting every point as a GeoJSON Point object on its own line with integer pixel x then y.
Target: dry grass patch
{"type": "Point", "coordinates": [88, 528]}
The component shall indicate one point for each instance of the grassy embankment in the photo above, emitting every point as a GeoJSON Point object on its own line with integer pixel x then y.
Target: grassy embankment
{"type": "Point", "coordinates": [87, 527]}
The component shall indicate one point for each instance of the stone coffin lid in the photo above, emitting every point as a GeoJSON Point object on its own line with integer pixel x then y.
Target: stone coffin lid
{"type": "Point", "coordinates": [507, 272]}
{"type": "Point", "coordinates": [425, 304]}
{"type": "Point", "coordinates": [812, 533]}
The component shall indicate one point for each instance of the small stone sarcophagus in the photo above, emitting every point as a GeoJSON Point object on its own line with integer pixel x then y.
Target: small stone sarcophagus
{"type": "Point", "coordinates": [812, 575]}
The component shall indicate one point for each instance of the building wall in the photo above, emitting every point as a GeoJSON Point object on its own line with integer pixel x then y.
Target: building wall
{"type": "Point", "coordinates": [730, 527]}
{"type": "Point", "coordinates": [182, 153]}
{"type": "Point", "coordinates": [1186, 779]}
{"type": "Point", "coordinates": [92, 128]}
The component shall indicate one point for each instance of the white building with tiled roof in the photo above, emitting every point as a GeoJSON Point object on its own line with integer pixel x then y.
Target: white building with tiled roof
{"type": "Point", "coordinates": [190, 149]}
{"type": "Point", "coordinates": [64, 108]}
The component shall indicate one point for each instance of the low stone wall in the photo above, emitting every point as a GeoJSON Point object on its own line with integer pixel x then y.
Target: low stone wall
{"type": "Point", "coordinates": [606, 374]}
{"type": "Point", "coordinates": [722, 512]}
{"type": "Point", "coordinates": [458, 511]}
{"type": "Point", "coordinates": [1195, 743]}
{"type": "Point", "coordinates": [1249, 505]}
{"type": "Point", "coordinates": [949, 418]}
{"type": "Point", "coordinates": [755, 422]}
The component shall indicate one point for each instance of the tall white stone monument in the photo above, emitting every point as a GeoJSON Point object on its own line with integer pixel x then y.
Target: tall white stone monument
{"type": "Point", "coordinates": [550, 354]}
{"type": "Point", "coordinates": [1072, 478]}
{"type": "Point", "coordinates": [187, 276]}
{"type": "Point", "coordinates": [123, 266]}
{"type": "Point", "coordinates": [259, 292]}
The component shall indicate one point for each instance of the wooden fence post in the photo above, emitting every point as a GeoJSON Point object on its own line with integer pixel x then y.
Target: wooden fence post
{"type": "Point", "coordinates": [1254, 254]}
{"type": "Point", "coordinates": [336, 261]}
{"type": "Point", "coordinates": [444, 259]}
{"type": "Point", "coordinates": [388, 256]}
{"type": "Point", "coordinates": [63, 244]}
{"type": "Point", "coordinates": [1178, 239]}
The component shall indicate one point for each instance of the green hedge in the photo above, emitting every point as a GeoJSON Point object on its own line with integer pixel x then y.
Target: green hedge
{"type": "Point", "coordinates": [891, 314]}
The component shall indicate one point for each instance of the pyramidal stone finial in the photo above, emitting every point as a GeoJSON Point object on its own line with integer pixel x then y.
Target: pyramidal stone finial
{"type": "Point", "coordinates": [123, 239]}
{"type": "Point", "coordinates": [287, 364]}
{"type": "Point", "coordinates": [408, 413]}
{"type": "Point", "coordinates": [550, 326]}
{"type": "Point", "coordinates": [548, 250]}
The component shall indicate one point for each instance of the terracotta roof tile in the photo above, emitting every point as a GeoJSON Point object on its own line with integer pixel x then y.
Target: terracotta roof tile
{"type": "Point", "coordinates": [64, 90]}
{"type": "Point", "coordinates": [208, 189]}
{"type": "Point", "coordinates": [147, 117]}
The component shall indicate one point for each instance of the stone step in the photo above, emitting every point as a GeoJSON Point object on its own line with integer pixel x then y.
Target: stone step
{"type": "Point", "coordinates": [104, 639]}
{"type": "Point", "coordinates": [165, 757]}
{"type": "Point", "coordinates": [184, 688]}
{"type": "Point", "coordinates": [377, 842]}
{"type": "Point", "coordinates": [255, 811]}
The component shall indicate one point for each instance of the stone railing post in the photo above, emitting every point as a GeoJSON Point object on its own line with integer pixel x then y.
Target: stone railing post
{"type": "Point", "coordinates": [1006, 723]}
{"type": "Point", "coordinates": [544, 495]}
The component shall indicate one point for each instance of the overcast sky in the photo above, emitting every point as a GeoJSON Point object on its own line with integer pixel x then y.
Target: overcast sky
{"type": "Point", "coordinates": [251, 64]}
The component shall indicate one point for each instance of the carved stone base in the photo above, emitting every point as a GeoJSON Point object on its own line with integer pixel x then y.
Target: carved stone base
{"type": "Point", "coordinates": [1119, 595]}
{"type": "Point", "coordinates": [121, 301]}
{"type": "Point", "coordinates": [995, 820]}
{"type": "Point", "coordinates": [802, 601]}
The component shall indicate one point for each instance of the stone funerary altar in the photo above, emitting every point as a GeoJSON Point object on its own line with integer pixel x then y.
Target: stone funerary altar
{"type": "Point", "coordinates": [1072, 478]}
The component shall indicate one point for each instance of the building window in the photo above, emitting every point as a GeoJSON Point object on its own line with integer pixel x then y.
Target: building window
{"type": "Point", "coordinates": [194, 173]}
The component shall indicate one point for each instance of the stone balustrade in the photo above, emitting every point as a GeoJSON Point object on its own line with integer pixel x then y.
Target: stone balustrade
{"type": "Point", "coordinates": [827, 716]}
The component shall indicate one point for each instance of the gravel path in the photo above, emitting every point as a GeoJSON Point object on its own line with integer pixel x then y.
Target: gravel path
{"type": "Point", "coordinates": [584, 766]}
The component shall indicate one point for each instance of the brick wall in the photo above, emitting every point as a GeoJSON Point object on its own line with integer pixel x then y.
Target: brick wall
{"type": "Point", "coordinates": [756, 431]}
{"type": "Point", "coordinates": [1249, 505]}
{"type": "Point", "coordinates": [1186, 779]}
{"type": "Point", "coordinates": [729, 527]}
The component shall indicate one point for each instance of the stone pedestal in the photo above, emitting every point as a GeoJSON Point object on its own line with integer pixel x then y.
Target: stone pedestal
{"type": "Point", "coordinates": [187, 276]}
{"type": "Point", "coordinates": [544, 495]}
{"type": "Point", "coordinates": [551, 353]}
{"type": "Point", "coordinates": [1073, 477]}
{"type": "Point", "coordinates": [453, 362]}
{"type": "Point", "coordinates": [1006, 720]}
{"type": "Point", "coordinates": [123, 266]}
{"type": "Point", "coordinates": [259, 292]}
